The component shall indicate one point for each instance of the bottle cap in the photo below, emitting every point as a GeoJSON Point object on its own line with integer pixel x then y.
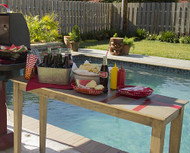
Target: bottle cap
{"type": "Point", "coordinates": [122, 69]}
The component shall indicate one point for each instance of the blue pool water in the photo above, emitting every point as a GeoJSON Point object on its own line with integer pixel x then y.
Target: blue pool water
{"type": "Point", "coordinates": [112, 131]}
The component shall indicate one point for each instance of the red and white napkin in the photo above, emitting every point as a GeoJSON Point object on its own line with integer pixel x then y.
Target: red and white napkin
{"type": "Point", "coordinates": [30, 63]}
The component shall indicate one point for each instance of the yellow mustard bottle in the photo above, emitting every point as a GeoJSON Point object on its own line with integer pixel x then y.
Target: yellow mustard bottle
{"type": "Point", "coordinates": [114, 77]}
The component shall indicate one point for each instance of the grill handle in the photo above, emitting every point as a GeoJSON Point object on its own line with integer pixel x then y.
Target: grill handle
{"type": "Point", "coordinates": [6, 6]}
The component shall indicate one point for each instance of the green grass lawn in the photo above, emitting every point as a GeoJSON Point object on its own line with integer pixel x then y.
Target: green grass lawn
{"type": "Point", "coordinates": [147, 47]}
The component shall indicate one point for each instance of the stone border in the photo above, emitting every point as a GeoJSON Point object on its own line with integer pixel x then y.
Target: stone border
{"type": "Point", "coordinates": [82, 57]}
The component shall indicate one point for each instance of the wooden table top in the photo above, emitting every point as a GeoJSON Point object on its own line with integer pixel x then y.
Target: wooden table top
{"type": "Point", "coordinates": [140, 110]}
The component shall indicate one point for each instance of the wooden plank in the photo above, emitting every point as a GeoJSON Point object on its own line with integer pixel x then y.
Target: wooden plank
{"type": "Point", "coordinates": [148, 16]}
{"type": "Point", "coordinates": [18, 5]}
{"type": "Point", "coordinates": [144, 16]}
{"type": "Point", "coordinates": [43, 121]}
{"type": "Point", "coordinates": [96, 17]}
{"type": "Point", "coordinates": [130, 16]}
{"type": "Point", "coordinates": [84, 17]}
{"type": "Point", "coordinates": [18, 104]}
{"type": "Point", "coordinates": [32, 7]}
{"type": "Point", "coordinates": [173, 12]}
{"type": "Point", "coordinates": [168, 17]}
{"type": "Point", "coordinates": [14, 6]}
{"type": "Point", "coordinates": [162, 17]}
{"type": "Point", "coordinates": [24, 7]}
{"type": "Point", "coordinates": [188, 20]}
{"type": "Point", "coordinates": [71, 13]}
{"type": "Point", "coordinates": [69, 17]}
{"type": "Point", "coordinates": [182, 27]}
{"type": "Point", "coordinates": [152, 23]}
{"type": "Point", "coordinates": [65, 16]}
{"type": "Point", "coordinates": [177, 25]}
{"type": "Point", "coordinates": [43, 7]}
{"type": "Point", "coordinates": [157, 137]}
{"type": "Point", "coordinates": [139, 17]}
{"type": "Point", "coordinates": [61, 17]}
{"type": "Point", "coordinates": [175, 133]}
{"type": "Point", "coordinates": [40, 8]}
{"type": "Point", "coordinates": [27, 7]}
{"type": "Point", "coordinates": [135, 5]}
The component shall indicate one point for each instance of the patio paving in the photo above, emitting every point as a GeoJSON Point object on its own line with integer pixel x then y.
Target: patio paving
{"type": "Point", "coordinates": [58, 140]}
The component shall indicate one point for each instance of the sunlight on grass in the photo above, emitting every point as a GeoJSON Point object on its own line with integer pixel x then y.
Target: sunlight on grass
{"type": "Point", "coordinates": [146, 47]}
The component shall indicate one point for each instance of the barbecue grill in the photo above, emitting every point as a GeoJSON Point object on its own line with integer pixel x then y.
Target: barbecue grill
{"type": "Point", "coordinates": [13, 30]}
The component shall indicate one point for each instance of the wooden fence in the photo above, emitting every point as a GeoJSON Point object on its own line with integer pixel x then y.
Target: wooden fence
{"type": "Point", "coordinates": [89, 16]}
{"type": "Point", "coordinates": [156, 17]}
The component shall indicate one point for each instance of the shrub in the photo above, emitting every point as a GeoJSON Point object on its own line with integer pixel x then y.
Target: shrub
{"type": "Point", "coordinates": [75, 34]}
{"type": "Point", "coordinates": [169, 36]}
{"type": "Point", "coordinates": [152, 37]}
{"type": "Point", "coordinates": [43, 30]}
{"type": "Point", "coordinates": [185, 40]}
{"type": "Point", "coordinates": [142, 33]}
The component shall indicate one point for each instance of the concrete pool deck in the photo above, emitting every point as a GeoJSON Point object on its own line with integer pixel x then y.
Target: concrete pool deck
{"type": "Point", "coordinates": [140, 59]}
{"type": "Point", "coordinates": [58, 140]}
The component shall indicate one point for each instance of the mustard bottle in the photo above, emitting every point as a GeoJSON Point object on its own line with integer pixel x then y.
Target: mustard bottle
{"type": "Point", "coordinates": [114, 77]}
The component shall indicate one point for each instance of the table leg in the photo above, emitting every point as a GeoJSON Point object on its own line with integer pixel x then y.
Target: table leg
{"type": "Point", "coordinates": [175, 132]}
{"type": "Point", "coordinates": [43, 121]}
{"type": "Point", "coordinates": [157, 138]}
{"type": "Point", "coordinates": [18, 103]}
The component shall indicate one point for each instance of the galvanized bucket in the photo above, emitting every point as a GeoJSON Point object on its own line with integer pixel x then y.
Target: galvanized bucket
{"type": "Point", "coordinates": [54, 75]}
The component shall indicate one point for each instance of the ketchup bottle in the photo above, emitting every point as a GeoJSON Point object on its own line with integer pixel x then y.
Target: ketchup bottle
{"type": "Point", "coordinates": [104, 74]}
{"type": "Point", "coordinates": [121, 77]}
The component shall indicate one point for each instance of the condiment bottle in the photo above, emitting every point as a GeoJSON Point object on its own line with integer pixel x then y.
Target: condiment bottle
{"type": "Point", "coordinates": [104, 74]}
{"type": "Point", "coordinates": [114, 77]}
{"type": "Point", "coordinates": [121, 77]}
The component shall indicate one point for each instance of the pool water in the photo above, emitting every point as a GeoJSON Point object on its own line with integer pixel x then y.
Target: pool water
{"type": "Point", "coordinates": [115, 132]}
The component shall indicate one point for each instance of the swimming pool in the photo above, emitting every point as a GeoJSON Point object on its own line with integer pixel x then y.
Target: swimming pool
{"type": "Point", "coordinates": [109, 130]}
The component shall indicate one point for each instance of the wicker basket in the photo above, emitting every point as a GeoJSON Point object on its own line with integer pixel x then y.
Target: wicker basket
{"type": "Point", "coordinates": [87, 91]}
{"type": "Point", "coordinates": [54, 75]}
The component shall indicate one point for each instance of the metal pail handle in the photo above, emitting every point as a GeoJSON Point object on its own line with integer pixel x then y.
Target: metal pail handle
{"type": "Point", "coordinates": [6, 6]}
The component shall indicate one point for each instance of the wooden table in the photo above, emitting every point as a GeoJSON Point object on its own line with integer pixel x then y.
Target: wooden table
{"type": "Point", "coordinates": [155, 111]}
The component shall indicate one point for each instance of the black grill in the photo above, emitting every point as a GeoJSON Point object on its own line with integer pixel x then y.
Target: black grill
{"type": "Point", "coordinates": [14, 30]}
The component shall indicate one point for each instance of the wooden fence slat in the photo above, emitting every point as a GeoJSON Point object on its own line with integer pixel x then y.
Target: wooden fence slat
{"type": "Point", "coordinates": [188, 20]}
{"type": "Point", "coordinates": [153, 13]}
{"type": "Point", "coordinates": [182, 19]}
{"type": "Point", "coordinates": [177, 18]}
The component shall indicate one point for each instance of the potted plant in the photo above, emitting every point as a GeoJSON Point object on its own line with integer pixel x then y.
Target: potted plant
{"type": "Point", "coordinates": [127, 44]}
{"type": "Point", "coordinates": [116, 45]}
{"type": "Point", "coordinates": [75, 38]}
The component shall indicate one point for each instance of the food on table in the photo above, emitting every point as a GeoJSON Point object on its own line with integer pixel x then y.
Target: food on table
{"type": "Point", "coordinates": [91, 84]}
{"type": "Point", "coordinates": [82, 83]}
{"type": "Point", "coordinates": [90, 67]}
{"type": "Point", "coordinates": [99, 87]}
